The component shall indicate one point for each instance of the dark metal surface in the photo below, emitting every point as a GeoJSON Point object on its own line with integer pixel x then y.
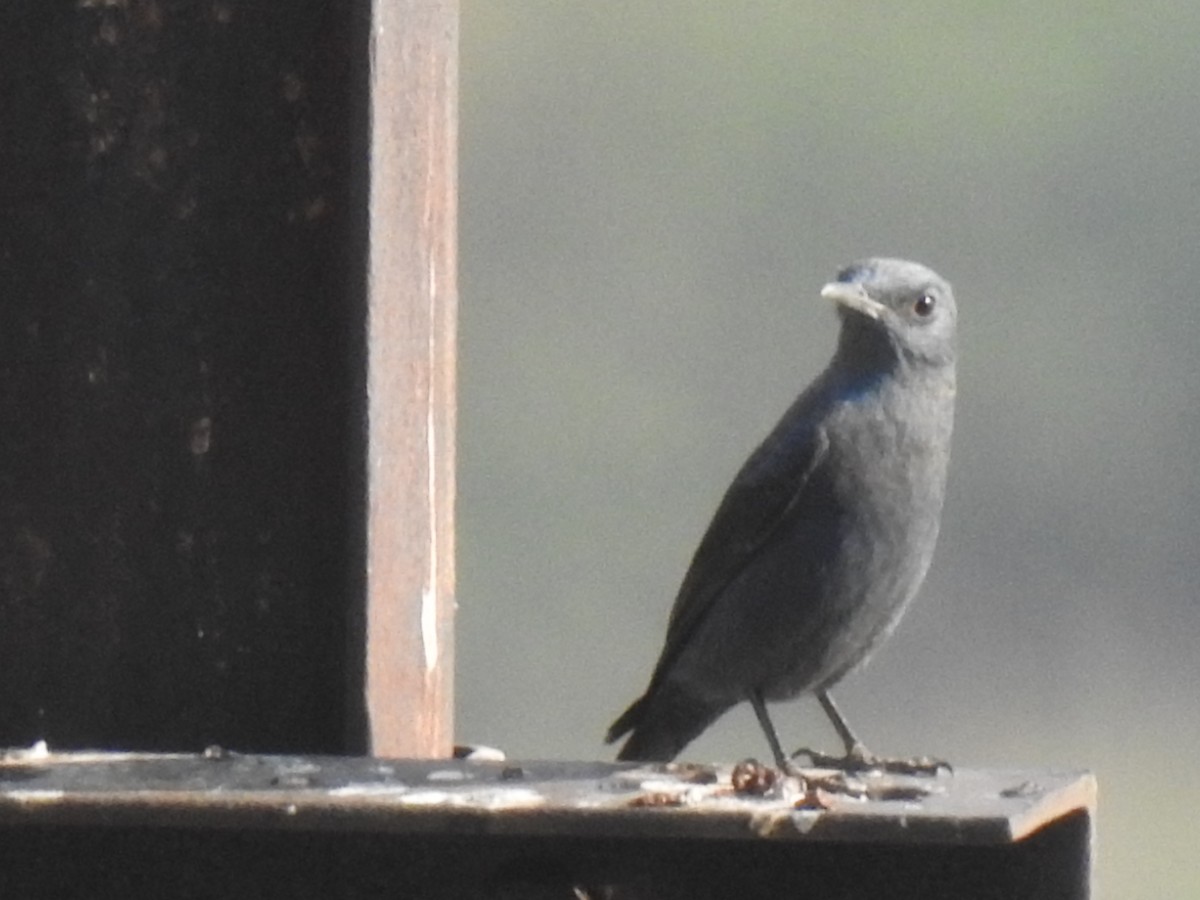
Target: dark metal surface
{"type": "Point", "coordinates": [181, 270]}
{"type": "Point", "coordinates": [299, 827]}
{"type": "Point", "coordinates": [530, 798]}
{"type": "Point", "coordinates": [184, 222]}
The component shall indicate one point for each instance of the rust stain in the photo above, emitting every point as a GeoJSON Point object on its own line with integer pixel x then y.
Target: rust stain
{"type": "Point", "coordinates": [657, 800]}
{"type": "Point", "coordinates": [752, 778]}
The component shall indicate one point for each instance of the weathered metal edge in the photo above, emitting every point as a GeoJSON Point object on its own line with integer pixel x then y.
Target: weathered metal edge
{"type": "Point", "coordinates": [456, 798]}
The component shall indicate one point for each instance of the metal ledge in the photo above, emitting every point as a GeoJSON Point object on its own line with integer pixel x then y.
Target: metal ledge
{"type": "Point", "coordinates": [220, 789]}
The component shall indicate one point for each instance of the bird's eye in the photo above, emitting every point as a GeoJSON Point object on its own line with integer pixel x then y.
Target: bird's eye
{"type": "Point", "coordinates": [924, 305]}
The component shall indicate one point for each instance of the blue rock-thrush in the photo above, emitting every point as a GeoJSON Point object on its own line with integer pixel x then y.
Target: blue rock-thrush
{"type": "Point", "coordinates": [826, 532]}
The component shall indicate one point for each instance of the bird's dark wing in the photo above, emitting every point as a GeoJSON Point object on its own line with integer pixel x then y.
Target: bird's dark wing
{"type": "Point", "coordinates": [768, 489]}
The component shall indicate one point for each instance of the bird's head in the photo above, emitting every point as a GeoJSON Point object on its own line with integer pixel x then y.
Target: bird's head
{"type": "Point", "coordinates": [907, 305]}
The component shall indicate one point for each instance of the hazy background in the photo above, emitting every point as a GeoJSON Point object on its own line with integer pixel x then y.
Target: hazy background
{"type": "Point", "coordinates": [652, 195]}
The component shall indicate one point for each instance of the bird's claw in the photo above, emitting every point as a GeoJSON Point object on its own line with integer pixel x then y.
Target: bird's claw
{"type": "Point", "coordinates": [860, 759]}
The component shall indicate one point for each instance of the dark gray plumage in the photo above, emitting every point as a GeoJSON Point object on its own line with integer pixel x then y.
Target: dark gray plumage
{"type": "Point", "coordinates": [826, 532]}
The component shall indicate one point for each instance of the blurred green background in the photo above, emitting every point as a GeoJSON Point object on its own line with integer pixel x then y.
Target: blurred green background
{"type": "Point", "coordinates": [652, 195]}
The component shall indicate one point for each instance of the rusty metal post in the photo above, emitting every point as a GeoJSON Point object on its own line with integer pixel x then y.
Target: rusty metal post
{"type": "Point", "coordinates": [411, 377]}
{"type": "Point", "coordinates": [221, 222]}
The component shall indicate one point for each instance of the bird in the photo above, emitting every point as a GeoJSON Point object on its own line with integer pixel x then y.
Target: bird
{"type": "Point", "coordinates": [825, 534]}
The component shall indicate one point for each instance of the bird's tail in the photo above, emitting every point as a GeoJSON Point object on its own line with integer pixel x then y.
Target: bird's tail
{"type": "Point", "coordinates": [661, 723]}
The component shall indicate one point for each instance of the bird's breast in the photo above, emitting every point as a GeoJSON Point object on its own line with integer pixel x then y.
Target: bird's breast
{"type": "Point", "coordinates": [884, 481]}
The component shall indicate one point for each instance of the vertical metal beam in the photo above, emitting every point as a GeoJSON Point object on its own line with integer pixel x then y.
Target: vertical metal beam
{"type": "Point", "coordinates": [182, 283]}
{"type": "Point", "coordinates": [412, 301]}
{"type": "Point", "coordinates": [226, 241]}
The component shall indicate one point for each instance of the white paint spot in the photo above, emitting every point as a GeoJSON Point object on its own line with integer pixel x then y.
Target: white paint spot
{"type": "Point", "coordinates": [369, 790]}
{"type": "Point", "coordinates": [447, 775]}
{"type": "Point", "coordinates": [480, 753]}
{"type": "Point", "coordinates": [427, 798]}
{"type": "Point", "coordinates": [510, 798]}
{"type": "Point", "coordinates": [429, 636]}
{"type": "Point", "coordinates": [35, 796]}
{"type": "Point", "coordinates": [429, 597]}
{"type": "Point", "coordinates": [805, 819]}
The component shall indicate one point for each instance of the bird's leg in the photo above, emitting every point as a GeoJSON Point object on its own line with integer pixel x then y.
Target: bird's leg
{"type": "Point", "coordinates": [854, 747]}
{"type": "Point", "coordinates": [858, 758]}
{"type": "Point", "coordinates": [764, 720]}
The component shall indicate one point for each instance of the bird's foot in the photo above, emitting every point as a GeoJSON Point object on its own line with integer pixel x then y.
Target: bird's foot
{"type": "Point", "coordinates": [860, 759]}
